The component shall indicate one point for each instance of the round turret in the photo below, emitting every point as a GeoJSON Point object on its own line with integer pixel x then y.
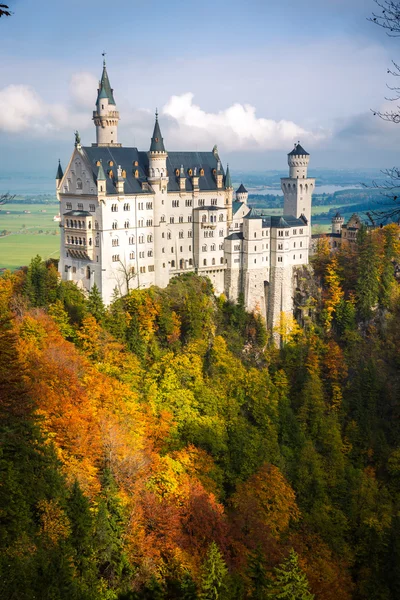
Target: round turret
{"type": "Point", "coordinates": [242, 194]}
{"type": "Point", "coordinates": [337, 223]}
{"type": "Point", "coordinates": [298, 160]}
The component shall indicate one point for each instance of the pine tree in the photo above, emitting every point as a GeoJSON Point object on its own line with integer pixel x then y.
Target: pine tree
{"type": "Point", "coordinates": [95, 304]}
{"type": "Point", "coordinates": [61, 317]}
{"type": "Point", "coordinates": [260, 581]}
{"type": "Point", "coordinates": [214, 574]}
{"type": "Point", "coordinates": [290, 581]}
{"type": "Point", "coordinates": [367, 287]}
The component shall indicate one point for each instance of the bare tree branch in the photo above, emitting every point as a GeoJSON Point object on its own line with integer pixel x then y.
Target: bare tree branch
{"type": "Point", "coordinates": [4, 11]}
{"type": "Point", "coordinates": [4, 198]}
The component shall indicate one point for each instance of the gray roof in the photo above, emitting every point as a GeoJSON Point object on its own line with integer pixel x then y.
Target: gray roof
{"type": "Point", "coordinates": [241, 189]}
{"type": "Point", "coordinates": [228, 180]}
{"type": "Point", "coordinates": [236, 205]}
{"type": "Point", "coordinates": [277, 222]}
{"type": "Point", "coordinates": [157, 142]}
{"type": "Point", "coordinates": [127, 157]}
{"type": "Point", "coordinates": [105, 90]}
{"type": "Point", "coordinates": [236, 235]}
{"type": "Point", "coordinates": [298, 151]}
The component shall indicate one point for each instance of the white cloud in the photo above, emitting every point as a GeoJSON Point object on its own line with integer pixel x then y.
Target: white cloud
{"type": "Point", "coordinates": [235, 128]}
{"type": "Point", "coordinates": [20, 108]}
{"type": "Point", "coordinates": [83, 88]}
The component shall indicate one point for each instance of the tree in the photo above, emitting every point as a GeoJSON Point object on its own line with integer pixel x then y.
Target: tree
{"type": "Point", "coordinates": [290, 581]}
{"type": "Point", "coordinates": [124, 275]}
{"type": "Point", "coordinates": [95, 304]}
{"type": "Point", "coordinates": [367, 288]}
{"type": "Point", "coordinates": [214, 574]}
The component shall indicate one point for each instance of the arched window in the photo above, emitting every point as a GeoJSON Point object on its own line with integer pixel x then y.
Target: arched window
{"type": "Point", "coordinates": [204, 219]}
{"type": "Point", "coordinates": [213, 261]}
{"type": "Point", "coordinates": [221, 217]}
{"type": "Point", "coordinates": [67, 239]}
{"type": "Point", "coordinates": [90, 241]}
{"type": "Point", "coordinates": [181, 234]}
{"type": "Point", "coordinates": [88, 272]}
{"type": "Point", "coordinates": [96, 225]}
{"type": "Point", "coordinates": [172, 264]}
{"type": "Point", "coordinates": [126, 224]}
{"type": "Point", "coordinates": [181, 264]}
{"type": "Point", "coordinates": [222, 260]}
{"type": "Point", "coordinates": [150, 238]}
{"type": "Point", "coordinates": [80, 241]}
{"type": "Point", "coordinates": [136, 173]}
{"type": "Point", "coordinates": [204, 248]}
{"type": "Point", "coordinates": [115, 225]}
{"type": "Point", "coordinates": [212, 248]}
{"type": "Point", "coordinates": [190, 262]}
{"type": "Point", "coordinates": [168, 235]}
{"type": "Point", "coordinates": [205, 262]}
{"type": "Point", "coordinates": [162, 219]}
{"type": "Point", "coordinates": [89, 225]}
{"type": "Point", "coordinates": [75, 224]}
{"type": "Point", "coordinates": [79, 185]}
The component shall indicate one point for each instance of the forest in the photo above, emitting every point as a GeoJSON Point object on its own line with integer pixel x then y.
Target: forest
{"type": "Point", "coordinates": [169, 447]}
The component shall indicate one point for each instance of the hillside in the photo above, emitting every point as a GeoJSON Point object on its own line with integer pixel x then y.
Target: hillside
{"type": "Point", "coordinates": [165, 447]}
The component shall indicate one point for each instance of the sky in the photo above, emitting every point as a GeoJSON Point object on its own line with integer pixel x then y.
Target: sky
{"type": "Point", "coordinates": [252, 77]}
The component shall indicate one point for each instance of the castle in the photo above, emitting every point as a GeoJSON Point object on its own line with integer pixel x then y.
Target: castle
{"type": "Point", "coordinates": [131, 219]}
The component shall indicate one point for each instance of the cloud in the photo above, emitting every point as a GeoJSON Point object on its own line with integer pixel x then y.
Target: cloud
{"type": "Point", "coordinates": [83, 88]}
{"type": "Point", "coordinates": [235, 128]}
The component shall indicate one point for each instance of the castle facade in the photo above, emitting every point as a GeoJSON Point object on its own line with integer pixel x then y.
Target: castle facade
{"type": "Point", "coordinates": [131, 219]}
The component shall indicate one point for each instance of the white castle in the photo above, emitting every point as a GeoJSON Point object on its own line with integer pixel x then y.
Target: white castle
{"type": "Point", "coordinates": [132, 219]}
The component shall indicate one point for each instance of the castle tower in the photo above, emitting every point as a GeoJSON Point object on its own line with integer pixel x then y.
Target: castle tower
{"type": "Point", "coordinates": [242, 194]}
{"type": "Point", "coordinates": [59, 175]}
{"type": "Point", "coordinates": [157, 157]}
{"type": "Point", "coordinates": [298, 188]}
{"type": "Point", "coordinates": [229, 195]}
{"type": "Point", "coordinates": [106, 116]}
{"type": "Point", "coordinates": [337, 223]}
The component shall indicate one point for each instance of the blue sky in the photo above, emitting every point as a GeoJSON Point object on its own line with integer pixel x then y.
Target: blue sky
{"type": "Point", "coordinates": [251, 77]}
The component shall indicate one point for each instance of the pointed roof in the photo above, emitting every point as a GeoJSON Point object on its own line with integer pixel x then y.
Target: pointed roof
{"type": "Point", "coordinates": [101, 176]}
{"type": "Point", "coordinates": [228, 180]}
{"type": "Point", "coordinates": [157, 142]}
{"type": "Point", "coordinates": [105, 89]}
{"type": "Point", "coordinates": [241, 189]}
{"type": "Point", "coordinates": [60, 173]}
{"type": "Point", "coordinates": [298, 151]}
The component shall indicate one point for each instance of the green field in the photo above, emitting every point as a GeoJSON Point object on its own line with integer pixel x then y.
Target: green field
{"type": "Point", "coordinates": [30, 234]}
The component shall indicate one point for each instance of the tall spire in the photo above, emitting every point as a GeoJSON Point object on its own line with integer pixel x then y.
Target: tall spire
{"type": "Point", "coordinates": [105, 89]}
{"type": "Point", "coordinates": [101, 176]}
{"type": "Point", "coordinates": [60, 173]}
{"type": "Point", "coordinates": [228, 180]}
{"type": "Point", "coordinates": [157, 142]}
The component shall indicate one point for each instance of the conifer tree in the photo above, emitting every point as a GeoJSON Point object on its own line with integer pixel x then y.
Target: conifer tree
{"type": "Point", "coordinates": [214, 574]}
{"type": "Point", "coordinates": [260, 581]}
{"type": "Point", "coordinates": [367, 288]}
{"type": "Point", "coordinates": [95, 304]}
{"type": "Point", "coordinates": [290, 581]}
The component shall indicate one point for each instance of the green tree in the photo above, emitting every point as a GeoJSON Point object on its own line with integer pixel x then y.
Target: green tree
{"type": "Point", "coordinates": [214, 575]}
{"type": "Point", "coordinates": [95, 304]}
{"type": "Point", "coordinates": [290, 581]}
{"type": "Point", "coordinates": [367, 287]}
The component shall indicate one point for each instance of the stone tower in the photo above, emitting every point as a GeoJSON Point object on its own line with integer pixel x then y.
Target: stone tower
{"type": "Point", "coordinates": [337, 223]}
{"type": "Point", "coordinates": [242, 194]}
{"type": "Point", "coordinates": [157, 157]}
{"type": "Point", "coordinates": [298, 188]}
{"type": "Point", "coordinates": [106, 116]}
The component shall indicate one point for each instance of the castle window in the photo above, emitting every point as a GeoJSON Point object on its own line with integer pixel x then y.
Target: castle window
{"type": "Point", "coordinates": [177, 172]}
{"type": "Point", "coordinates": [114, 207]}
{"type": "Point", "coordinates": [115, 242]}
{"type": "Point", "coordinates": [190, 248]}
{"type": "Point", "coordinates": [172, 250]}
{"type": "Point", "coordinates": [92, 207]}
{"type": "Point", "coordinates": [163, 250]}
{"type": "Point", "coordinates": [294, 257]}
{"type": "Point", "coordinates": [201, 172]}
{"type": "Point", "coordinates": [141, 239]}
{"type": "Point", "coordinates": [221, 217]}
{"type": "Point", "coordinates": [301, 244]}
{"type": "Point", "coordinates": [181, 264]}
{"type": "Point", "coordinates": [212, 248]}
{"type": "Point", "coordinates": [80, 206]}
{"type": "Point", "coordinates": [168, 235]}
{"type": "Point", "coordinates": [96, 225]}
{"type": "Point", "coordinates": [149, 222]}
{"type": "Point", "coordinates": [67, 239]}
{"type": "Point", "coordinates": [205, 262]}
{"type": "Point", "coordinates": [74, 269]}
{"type": "Point", "coordinates": [66, 268]}
{"type": "Point", "coordinates": [204, 219]}
{"type": "Point", "coordinates": [189, 233]}
{"type": "Point", "coordinates": [175, 203]}
{"type": "Point", "coordinates": [213, 261]}
{"type": "Point", "coordinates": [294, 231]}
{"type": "Point", "coordinates": [280, 233]}
{"type": "Point", "coordinates": [151, 268]}
{"type": "Point", "coordinates": [204, 248]}
{"type": "Point", "coordinates": [141, 254]}
{"type": "Point", "coordinates": [150, 253]}
{"type": "Point", "coordinates": [171, 220]}
{"type": "Point", "coordinates": [131, 255]}
{"type": "Point", "coordinates": [110, 163]}
{"type": "Point", "coordinates": [111, 174]}
{"type": "Point", "coordinates": [172, 264]}
{"type": "Point", "coordinates": [181, 234]}
{"type": "Point", "coordinates": [222, 260]}
{"type": "Point", "coordinates": [141, 223]}
{"type": "Point", "coordinates": [279, 258]}
{"type": "Point", "coordinates": [301, 232]}
{"type": "Point", "coordinates": [255, 234]}
{"type": "Point", "coordinates": [98, 163]}
{"type": "Point", "coordinates": [115, 258]}
{"type": "Point", "coordinates": [181, 219]}
{"type": "Point", "coordinates": [287, 233]}
{"type": "Point", "coordinates": [136, 164]}
{"type": "Point", "coordinates": [190, 262]}
{"type": "Point", "coordinates": [201, 202]}
{"type": "Point", "coordinates": [255, 248]}
{"type": "Point", "coordinates": [188, 202]}
{"type": "Point", "coordinates": [162, 219]}
{"type": "Point", "coordinates": [255, 260]}
{"type": "Point", "coordinates": [136, 174]}
{"type": "Point", "coordinates": [87, 272]}
{"type": "Point", "coordinates": [189, 218]}
{"type": "Point", "coordinates": [68, 206]}
{"type": "Point", "coordinates": [123, 173]}
{"type": "Point", "coordinates": [190, 172]}
{"type": "Point", "coordinates": [280, 246]}
{"type": "Point", "coordinates": [79, 184]}
{"type": "Point", "coordinates": [149, 205]}
{"type": "Point", "coordinates": [143, 269]}
{"type": "Point", "coordinates": [294, 244]}
{"type": "Point", "coordinates": [213, 201]}
{"type": "Point", "coordinates": [301, 256]}
{"type": "Point", "coordinates": [132, 240]}
{"type": "Point", "coordinates": [115, 225]}
{"type": "Point", "coordinates": [126, 224]}
{"type": "Point", "coordinates": [127, 206]}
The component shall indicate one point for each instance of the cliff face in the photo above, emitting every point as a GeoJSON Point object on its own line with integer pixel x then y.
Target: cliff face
{"type": "Point", "coordinates": [307, 294]}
